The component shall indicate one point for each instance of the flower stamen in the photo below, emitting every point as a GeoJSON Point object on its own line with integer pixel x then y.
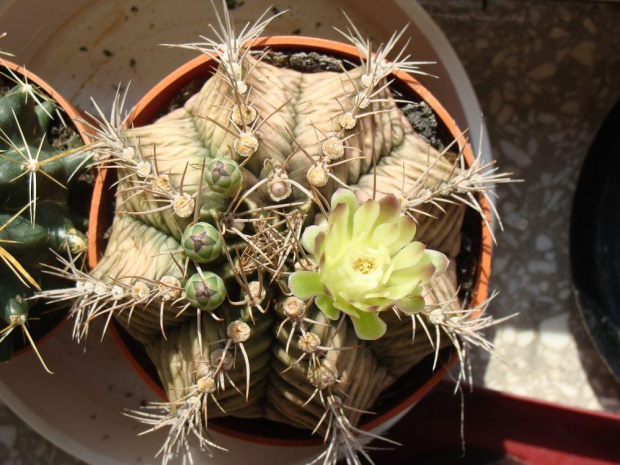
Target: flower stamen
{"type": "Point", "coordinates": [364, 265]}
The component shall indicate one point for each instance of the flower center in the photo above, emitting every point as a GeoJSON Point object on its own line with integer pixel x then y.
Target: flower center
{"type": "Point", "coordinates": [364, 265]}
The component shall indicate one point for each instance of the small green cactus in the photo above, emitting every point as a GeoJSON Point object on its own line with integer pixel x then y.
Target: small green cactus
{"type": "Point", "coordinates": [36, 219]}
{"type": "Point", "coordinates": [223, 205]}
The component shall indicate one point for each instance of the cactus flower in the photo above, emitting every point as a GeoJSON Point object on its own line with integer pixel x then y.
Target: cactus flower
{"type": "Point", "coordinates": [367, 263]}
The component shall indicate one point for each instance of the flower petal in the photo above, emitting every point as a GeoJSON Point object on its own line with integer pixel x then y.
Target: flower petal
{"type": "Point", "coordinates": [319, 245]}
{"type": "Point", "coordinates": [364, 220]}
{"type": "Point", "coordinates": [326, 305]}
{"type": "Point", "coordinates": [346, 307]}
{"type": "Point", "coordinates": [385, 234]}
{"type": "Point", "coordinates": [403, 282]}
{"type": "Point", "coordinates": [309, 236]}
{"type": "Point", "coordinates": [407, 230]}
{"type": "Point", "coordinates": [382, 294]}
{"type": "Point", "coordinates": [400, 291]}
{"type": "Point", "coordinates": [340, 225]}
{"type": "Point", "coordinates": [439, 261]}
{"type": "Point", "coordinates": [369, 326]}
{"type": "Point", "coordinates": [390, 209]}
{"type": "Point", "coordinates": [407, 258]}
{"type": "Point", "coordinates": [411, 304]}
{"type": "Point", "coordinates": [305, 284]}
{"type": "Point", "coordinates": [344, 196]}
{"type": "Point", "coordinates": [339, 215]}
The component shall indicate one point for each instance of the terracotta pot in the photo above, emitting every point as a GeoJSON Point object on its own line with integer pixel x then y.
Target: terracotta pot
{"type": "Point", "coordinates": [152, 105]}
{"type": "Point", "coordinates": [73, 113]}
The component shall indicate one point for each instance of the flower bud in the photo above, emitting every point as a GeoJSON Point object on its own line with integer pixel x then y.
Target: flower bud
{"type": "Point", "coordinates": [201, 243]}
{"type": "Point", "coordinates": [205, 294]}
{"type": "Point", "coordinates": [223, 176]}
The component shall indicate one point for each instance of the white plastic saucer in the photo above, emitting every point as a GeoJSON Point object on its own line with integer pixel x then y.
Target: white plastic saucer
{"type": "Point", "coordinates": [85, 48]}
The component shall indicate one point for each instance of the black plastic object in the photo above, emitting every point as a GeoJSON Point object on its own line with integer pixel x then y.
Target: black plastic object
{"type": "Point", "coordinates": [595, 242]}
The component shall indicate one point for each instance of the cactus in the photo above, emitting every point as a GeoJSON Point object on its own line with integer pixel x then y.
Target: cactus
{"type": "Point", "coordinates": [262, 246]}
{"type": "Point", "coordinates": [35, 216]}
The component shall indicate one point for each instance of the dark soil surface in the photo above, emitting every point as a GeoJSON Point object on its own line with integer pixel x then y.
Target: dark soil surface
{"type": "Point", "coordinates": [305, 62]}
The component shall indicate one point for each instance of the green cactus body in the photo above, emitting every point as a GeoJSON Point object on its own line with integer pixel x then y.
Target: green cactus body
{"type": "Point", "coordinates": [35, 215]}
{"type": "Point", "coordinates": [14, 309]}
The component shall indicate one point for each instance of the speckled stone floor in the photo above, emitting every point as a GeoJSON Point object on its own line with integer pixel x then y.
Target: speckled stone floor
{"type": "Point", "coordinates": [546, 74]}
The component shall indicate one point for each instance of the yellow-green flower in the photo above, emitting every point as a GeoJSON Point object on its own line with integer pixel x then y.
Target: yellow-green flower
{"type": "Point", "coordinates": [367, 262]}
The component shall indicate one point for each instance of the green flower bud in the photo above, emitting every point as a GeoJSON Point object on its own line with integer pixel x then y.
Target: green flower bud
{"type": "Point", "coordinates": [223, 176]}
{"type": "Point", "coordinates": [202, 243]}
{"type": "Point", "coordinates": [205, 294]}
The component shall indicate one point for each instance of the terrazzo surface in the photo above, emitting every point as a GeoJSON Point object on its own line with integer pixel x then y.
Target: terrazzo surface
{"type": "Point", "coordinates": [546, 74]}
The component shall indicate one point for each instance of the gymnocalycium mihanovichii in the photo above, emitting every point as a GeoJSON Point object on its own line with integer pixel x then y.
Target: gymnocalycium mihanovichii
{"type": "Point", "coordinates": [284, 241]}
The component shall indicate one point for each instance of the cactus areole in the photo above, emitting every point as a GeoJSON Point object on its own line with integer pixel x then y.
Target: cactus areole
{"type": "Point", "coordinates": [321, 289]}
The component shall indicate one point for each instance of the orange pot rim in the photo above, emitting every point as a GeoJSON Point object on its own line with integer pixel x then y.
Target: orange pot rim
{"type": "Point", "coordinates": [75, 115]}
{"type": "Point", "coordinates": [149, 105]}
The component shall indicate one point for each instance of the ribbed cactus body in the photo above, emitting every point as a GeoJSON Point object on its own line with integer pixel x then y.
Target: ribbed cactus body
{"type": "Point", "coordinates": [284, 244]}
{"type": "Point", "coordinates": [292, 109]}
